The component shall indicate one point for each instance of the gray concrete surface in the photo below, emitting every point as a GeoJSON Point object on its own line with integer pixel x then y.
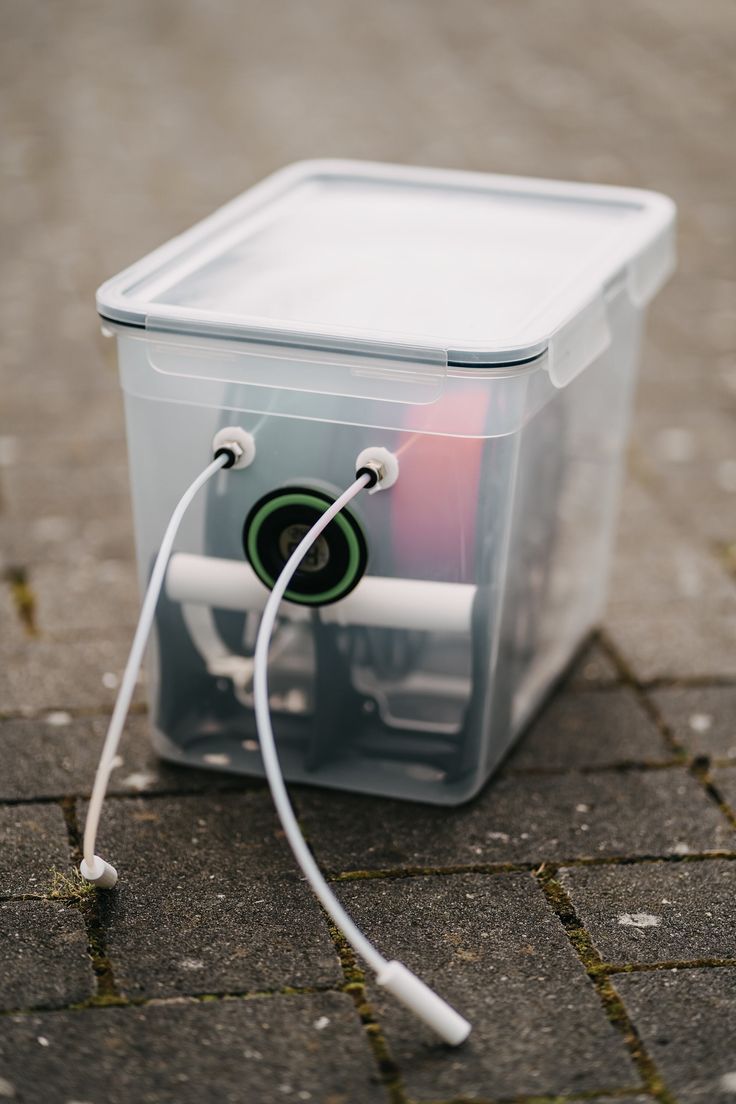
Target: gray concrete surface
{"type": "Point", "coordinates": [683, 1018]}
{"type": "Point", "coordinates": [122, 124]}
{"type": "Point", "coordinates": [43, 949]}
{"type": "Point", "coordinates": [657, 912]}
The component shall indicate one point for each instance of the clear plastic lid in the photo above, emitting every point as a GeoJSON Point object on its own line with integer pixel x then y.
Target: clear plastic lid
{"type": "Point", "coordinates": [488, 268]}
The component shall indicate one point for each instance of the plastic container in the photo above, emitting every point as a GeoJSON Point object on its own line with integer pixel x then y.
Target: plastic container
{"type": "Point", "coordinates": [484, 329]}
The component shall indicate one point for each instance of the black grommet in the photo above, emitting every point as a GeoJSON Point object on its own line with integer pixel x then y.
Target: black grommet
{"type": "Point", "coordinates": [226, 452]}
{"type": "Point", "coordinates": [371, 472]}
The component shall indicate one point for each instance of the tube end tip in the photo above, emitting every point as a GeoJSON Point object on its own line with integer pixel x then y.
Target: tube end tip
{"type": "Point", "coordinates": [100, 873]}
{"type": "Point", "coordinates": [451, 1027]}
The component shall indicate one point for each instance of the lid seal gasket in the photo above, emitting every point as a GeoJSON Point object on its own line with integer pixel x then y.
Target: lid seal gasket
{"type": "Point", "coordinates": [453, 361]}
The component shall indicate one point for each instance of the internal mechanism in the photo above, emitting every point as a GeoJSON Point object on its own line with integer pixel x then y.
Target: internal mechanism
{"type": "Point", "coordinates": [333, 566]}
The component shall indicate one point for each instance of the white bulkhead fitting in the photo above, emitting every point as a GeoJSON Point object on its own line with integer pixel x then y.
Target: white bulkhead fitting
{"type": "Point", "coordinates": [379, 458]}
{"type": "Point", "coordinates": [236, 435]}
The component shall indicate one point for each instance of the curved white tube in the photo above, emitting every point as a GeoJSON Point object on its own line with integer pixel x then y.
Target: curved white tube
{"type": "Point", "coordinates": [105, 876]}
{"type": "Point", "coordinates": [394, 976]}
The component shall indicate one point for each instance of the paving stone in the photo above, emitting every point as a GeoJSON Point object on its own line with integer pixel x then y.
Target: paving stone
{"type": "Point", "coordinates": [702, 719]}
{"type": "Point", "coordinates": [63, 540]}
{"type": "Point", "coordinates": [688, 450]}
{"type": "Point", "coordinates": [88, 596]}
{"type": "Point", "coordinates": [685, 1020]}
{"type": "Point", "coordinates": [85, 493]}
{"type": "Point", "coordinates": [657, 912]}
{"type": "Point", "coordinates": [593, 667]}
{"type": "Point", "coordinates": [56, 755]}
{"type": "Point", "coordinates": [33, 843]}
{"type": "Point", "coordinates": [209, 899]}
{"type": "Point", "coordinates": [84, 413]}
{"type": "Point", "coordinates": [39, 675]}
{"type": "Point", "coordinates": [225, 1052]}
{"type": "Point", "coordinates": [702, 497]}
{"type": "Point", "coordinates": [657, 563]}
{"type": "Point", "coordinates": [14, 633]}
{"type": "Point", "coordinates": [43, 948]}
{"type": "Point", "coordinates": [593, 728]}
{"type": "Point", "coordinates": [494, 949]}
{"type": "Point", "coordinates": [74, 451]}
{"type": "Point", "coordinates": [724, 779]}
{"type": "Point", "coordinates": [672, 607]}
{"type": "Point", "coordinates": [618, 1099]}
{"type": "Point", "coordinates": [690, 640]}
{"type": "Point", "coordinates": [522, 818]}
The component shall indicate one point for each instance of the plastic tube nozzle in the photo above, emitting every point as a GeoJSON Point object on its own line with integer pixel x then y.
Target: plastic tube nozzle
{"type": "Point", "coordinates": [424, 1003]}
{"type": "Point", "coordinates": [99, 873]}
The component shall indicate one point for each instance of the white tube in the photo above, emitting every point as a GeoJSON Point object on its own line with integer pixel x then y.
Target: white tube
{"type": "Point", "coordinates": [431, 1008]}
{"type": "Point", "coordinates": [91, 868]}
{"type": "Point", "coordinates": [376, 602]}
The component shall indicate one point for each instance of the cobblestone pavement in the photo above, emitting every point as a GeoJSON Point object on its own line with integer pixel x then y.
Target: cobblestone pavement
{"type": "Point", "coordinates": [583, 910]}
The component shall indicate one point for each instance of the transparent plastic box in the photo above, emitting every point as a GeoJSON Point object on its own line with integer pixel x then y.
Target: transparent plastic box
{"type": "Point", "coordinates": [485, 330]}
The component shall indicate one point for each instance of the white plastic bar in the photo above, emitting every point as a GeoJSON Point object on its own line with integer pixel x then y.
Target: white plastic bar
{"type": "Point", "coordinates": [376, 602]}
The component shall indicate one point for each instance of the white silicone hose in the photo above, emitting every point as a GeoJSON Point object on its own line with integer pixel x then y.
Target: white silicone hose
{"type": "Point", "coordinates": [394, 976]}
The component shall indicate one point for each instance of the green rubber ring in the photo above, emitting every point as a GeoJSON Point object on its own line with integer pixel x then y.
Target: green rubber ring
{"type": "Point", "coordinates": [304, 500]}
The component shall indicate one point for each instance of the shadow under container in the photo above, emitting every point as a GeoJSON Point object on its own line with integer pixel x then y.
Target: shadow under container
{"type": "Point", "coordinates": [483, 329]}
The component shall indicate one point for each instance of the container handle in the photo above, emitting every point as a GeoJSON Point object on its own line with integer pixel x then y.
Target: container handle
{"type": "Point", "coordinates": [390, 370]}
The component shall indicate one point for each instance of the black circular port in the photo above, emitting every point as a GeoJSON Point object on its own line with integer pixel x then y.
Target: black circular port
{"type": "Point", "coordinates": [331, 568]}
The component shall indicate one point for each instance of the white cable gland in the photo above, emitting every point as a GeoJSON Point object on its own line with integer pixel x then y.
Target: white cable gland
{"type": "Point", "coordinates": [240, 437]}
{"type": "Point", "coordinates": [386, 460]}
